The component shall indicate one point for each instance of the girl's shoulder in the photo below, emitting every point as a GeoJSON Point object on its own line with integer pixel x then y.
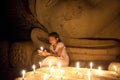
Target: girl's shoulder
{"type": "Point", "coordinates": [60, 44]}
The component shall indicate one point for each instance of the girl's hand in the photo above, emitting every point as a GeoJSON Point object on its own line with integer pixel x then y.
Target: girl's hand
{"type": "Point", "coordinates": [43, 53]}
{"type": "Point", "coordinates": [39, 52]}
{"type": "Point", "coordinates": [48, 54]}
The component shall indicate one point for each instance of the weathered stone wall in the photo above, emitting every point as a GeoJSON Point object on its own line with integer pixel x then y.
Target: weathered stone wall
{"type": "Point", "coordinates": [116, 68]}
{"type": "Point", "coordinates": [79, 18]}
{"type": "Point", "coordinates": [4, 49]}
{"type": "Point", "coordinates": [70, 18]}
{"type": "Point", "coordinates": [20, 54]}
{"type": "Point", "coordinates": [39, 38]}
{"type": "Point", "coordinates": [20, 21]}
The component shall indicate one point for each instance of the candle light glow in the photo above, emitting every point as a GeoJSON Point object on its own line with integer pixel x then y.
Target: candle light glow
{"type": "Point", "coordinates": [40, 64]}
{"type": "Point", "coordinates": [115, 68]}
{"type": "Point", "coordinates": [59, 65]}
{"type": "Point", "coordinates": [45, 77]}
{"type": "Point", "coordinates": [51, 70]}
{"type": "Point", "coordinates": [23, 74]}
{"type": "Point", "coordinates": [91, 65]}
{"type": "Point", "coordinates": [89, 75]}
{"type": "Point", "coordinates": [41, 48]}
{"type": "Point", "coordinates": [77, 65]}
{"type": "Point", "coordinates": [34, 68]}
{"type": "Point", "coordinates": [99, 68]}
{"type": "Point", "coordinates": [61, 74]}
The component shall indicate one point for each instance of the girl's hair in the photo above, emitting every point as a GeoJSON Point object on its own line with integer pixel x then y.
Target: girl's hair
{"type": "Point", "coordinates": [56, 35]}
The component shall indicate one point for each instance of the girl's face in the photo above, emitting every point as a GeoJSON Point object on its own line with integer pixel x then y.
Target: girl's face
{"type": "Point", "coordinates": [53, 40]}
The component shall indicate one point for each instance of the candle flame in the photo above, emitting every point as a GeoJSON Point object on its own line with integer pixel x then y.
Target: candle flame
{"type": "Point", "coordinates": [23, 73]}
{"type": "Point", "coordinates": [45, 77]}
{"type": "Point", "coordinates": [51, 70]}
{"type": "Point", "coordinates": [41, 48]}
{"type": "Point", "coordinates": [77, 65]}
{"type": "Point", "coordinates": [91, 65]}
{"type": "Point", "coordinates": [61, 73]}
{"type": "Point", "coordinates": [115, 68]}
{"type": "Point", "coordinates": [89, 75]}
{"type": "Point", "coordinates": [59, 64]}
{"type": "Point", "coordinates": [34, 68]}
{"type": "Point", "coordinates": [99, 68]}
{"type": "Point", "coordinates": [40, 63]}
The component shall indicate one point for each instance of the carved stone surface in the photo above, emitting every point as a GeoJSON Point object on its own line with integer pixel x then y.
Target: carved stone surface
{"type": "Point", "coordinates": [70, 18]}
{"type": "Point", "coordinates": [4, 48]}
{"type": "Point", "coordinates": [20, 54]}
{"type": "Point", "coordinates": [94, 54]}
{"type": "Point", "coordinates": [112, 68]}
{"type": "Point", "coordinates": [39, 38]}
{"type": "Point", "coordinates": [79, 18]}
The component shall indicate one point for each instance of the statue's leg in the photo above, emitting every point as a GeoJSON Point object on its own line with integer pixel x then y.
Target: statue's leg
{"type": "Point", "coordinates": [36, 59]}
{"type": "Point", "coordinates": [114, 66]}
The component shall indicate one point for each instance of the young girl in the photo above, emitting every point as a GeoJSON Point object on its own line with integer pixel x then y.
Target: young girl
{"type": "Point", "coordinates": [57, 52]}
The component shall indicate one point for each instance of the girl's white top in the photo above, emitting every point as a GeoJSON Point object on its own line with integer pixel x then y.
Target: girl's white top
{"type": "Point", "coordinates": [63, 59]}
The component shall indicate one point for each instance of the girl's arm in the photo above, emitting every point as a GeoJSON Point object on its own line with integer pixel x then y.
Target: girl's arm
{"type": "Point", "coordinates": [59, 51]}
{"type": "Point", "coordinates": [43, 53]}
{"type": "Point", "coordinates": [57, 54]}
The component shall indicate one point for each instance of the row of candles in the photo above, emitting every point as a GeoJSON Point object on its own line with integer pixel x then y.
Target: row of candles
{"type": "Point", "coordinates": [40, 64]}
{"type": "Point", "coordinates": [61, 71]}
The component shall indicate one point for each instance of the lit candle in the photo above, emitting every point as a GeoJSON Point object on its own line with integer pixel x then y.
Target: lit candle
{"type": "Point", "coordinates": [50, 65]}
{"type": "Point", "coordinates": [34, 68]}
{"type": "Point", "coordinates": [115, 68]}
{"type": "Point", "coordinates": [45, 77]}
{"type": "Point", "coordinates": [99, 68]}
{"type": "Point", "coordinates": [77, 65]}
{"type": "Point", "coordinates": [59, 65]}
{"type": "Point", "coordinates": [89, 75]}
{"type": "Point", "coordinates": [91, 65]}
{"type": "Point", "coordinates": [41, 48]}
{"type": "Point", "coordinates": [23, 74]}
{"type": "Point", "coordinates": [51, 70]}
{"type": "Point", "coordinates": [61, 74]}
{"type": "Point", "coordinates": [40, 64]}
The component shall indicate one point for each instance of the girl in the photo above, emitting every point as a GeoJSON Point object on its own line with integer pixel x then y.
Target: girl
{"type": "Point", "coordinates": [57, 52]}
